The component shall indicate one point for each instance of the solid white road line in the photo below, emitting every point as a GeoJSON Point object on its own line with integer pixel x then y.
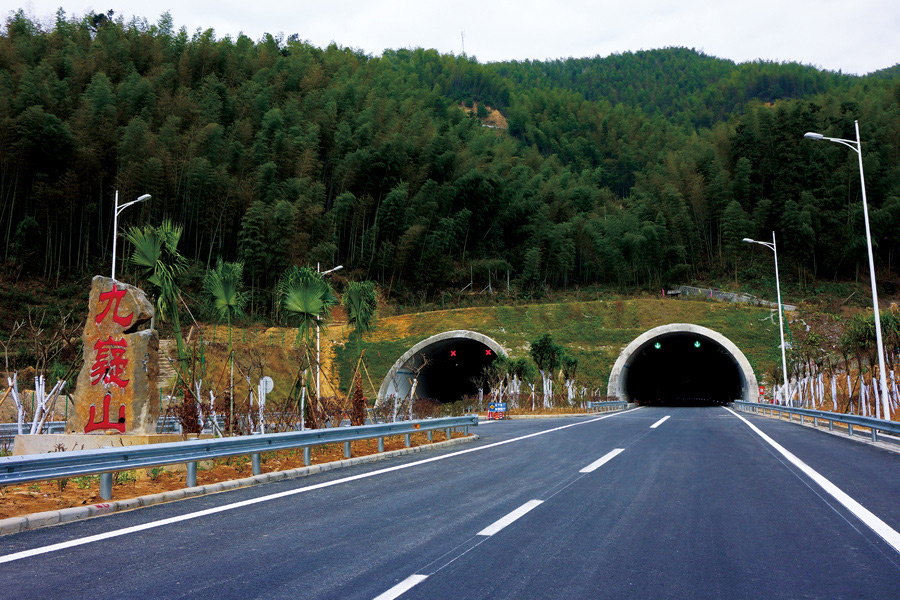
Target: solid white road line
{"type": "Point", "coordinates": [325, 484]}
{"type": "Point", "coordinates": [402, 587]}
{"type": "Point", "coordinates": [885, 531]}
{"type": "Point", "coordinates": [601, 461]}
{"type": "Point", "coordinates": [516, 514]}
{"type": "Point", "coordinates": [660, 422]}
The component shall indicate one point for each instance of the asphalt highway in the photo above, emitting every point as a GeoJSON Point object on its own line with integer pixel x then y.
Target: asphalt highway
{"type": "Point", "coordinates": [650, 503]}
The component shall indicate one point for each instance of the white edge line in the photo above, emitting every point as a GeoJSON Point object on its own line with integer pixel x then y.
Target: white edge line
{"type": "Point", "coordinates": [210, 511]}
{"type": "Point", "coordinates": [660, 422]}
{"type": "Point", "coordinates": [510, 518]}
{"type": "Point", "coordinates": [885, 531]}
{"type": "Point", "coordinates": [402, 587]}
{"type": "Point", "coordinates": [602, 461]}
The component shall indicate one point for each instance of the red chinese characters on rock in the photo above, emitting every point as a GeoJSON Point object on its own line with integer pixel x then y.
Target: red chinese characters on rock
{"type": "Point", "coordinates": [109, 366]}
{"type": "Point", "coordinates": [114, 295]}
{"type": "Point", "coordinates": [117, 391]}
{"type": "Point", "coordinates": [105, 423]}
{"type": "Point", "coordinates": [109, 363]}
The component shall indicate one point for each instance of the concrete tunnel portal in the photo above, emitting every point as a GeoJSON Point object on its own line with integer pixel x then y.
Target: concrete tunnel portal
{"type": "Point", "coordinates": [444, 366]}
{"type": "Point", "coordinates": [682, 364]}
{"type": "Point", "coordinates": [677, 364]}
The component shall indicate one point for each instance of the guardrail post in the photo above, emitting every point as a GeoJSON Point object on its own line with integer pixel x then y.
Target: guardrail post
{"type": "Point", "coordinates": [106, 482]}
{"type": "Point", "coordinates": [850, 428]}
{"type": "Point", "coordinates": [830, 424]}
{"type": "Point", "coordinates": [874, 434]}
{"type": "Point", "coordinates": [815, 421]}
{"type": "Point", "coordinates": [105, 463]}
{"type": "Point", "coordinates": [801, 419]}
{"type": "Point", "coordinates": [430, 435]}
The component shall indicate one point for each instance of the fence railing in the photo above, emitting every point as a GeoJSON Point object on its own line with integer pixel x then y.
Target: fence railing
{"type": "Point", "coordinates": [8, 431]}
{"type": "Point", "coordinates": [106, 461]}
{"type": "Point", "coordinates": [851, 421]}
{"type": "Point", "coordinates": [597, 407]}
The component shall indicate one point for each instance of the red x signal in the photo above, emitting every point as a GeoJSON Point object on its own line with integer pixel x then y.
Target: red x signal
{"type": "Point", "coordinates": [487, 352]}
{"type": "Point", "coordinates": [453, 353]}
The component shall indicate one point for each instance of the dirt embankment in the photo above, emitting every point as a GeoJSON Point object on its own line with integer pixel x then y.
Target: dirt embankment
{"type": "Point", "coordinates": [41, 496]}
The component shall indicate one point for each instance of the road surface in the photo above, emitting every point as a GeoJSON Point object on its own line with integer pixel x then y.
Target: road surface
{"type": "Point", "coordinates": [649, 503]}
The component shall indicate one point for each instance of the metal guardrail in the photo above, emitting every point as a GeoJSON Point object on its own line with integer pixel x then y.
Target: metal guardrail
{"type": "Point", "coordinates": [9, 431]}
{"type": "Point", "coordinates": [596, 407]}
{"type": "Point", "coordinates": [874, 425]}
{"type": "Point", "coordinates": [106, 461]}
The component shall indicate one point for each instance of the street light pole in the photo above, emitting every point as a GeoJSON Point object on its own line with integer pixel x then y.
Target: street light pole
{"type": "Point", "coordinates": [318, 361]}
{"type": "Point", "coordinates": [856, 146]}
{"type": "Point", "coordinates": [774, 249]}
{"type": "Point", "coordinates": [116, 210]}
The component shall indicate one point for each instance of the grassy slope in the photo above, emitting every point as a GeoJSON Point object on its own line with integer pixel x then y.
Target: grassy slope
{"type": "Point", "coordinates": [594, 332]}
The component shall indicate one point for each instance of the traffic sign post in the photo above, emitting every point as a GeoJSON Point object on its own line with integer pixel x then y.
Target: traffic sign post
{"type": "Point", "coordinates": [496, 410]}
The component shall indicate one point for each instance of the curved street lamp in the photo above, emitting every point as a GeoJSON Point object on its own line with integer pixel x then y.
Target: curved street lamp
{"type": "Point", "coordinates": [116, 210]}
{"type": "Point", "coordinates": [318, 358]}
{"type": "Point", "coordinates": [856, 146]}
{"type": "Point", "coordinates": [774, 249]}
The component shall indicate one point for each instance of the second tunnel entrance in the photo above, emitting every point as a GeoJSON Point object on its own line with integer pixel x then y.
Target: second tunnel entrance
{"type": "Point", "coordinates": [682, 364]}
{"type": "Point", "coordinates": [443, 366]}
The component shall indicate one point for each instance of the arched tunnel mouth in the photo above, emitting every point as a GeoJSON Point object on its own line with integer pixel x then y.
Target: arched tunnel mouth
{"type": "Point", "coordinates": [682, 369]}
{"type": "Point", "coordinates": [447, 370]}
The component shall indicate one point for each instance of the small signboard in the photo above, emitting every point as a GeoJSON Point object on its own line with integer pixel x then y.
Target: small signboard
{"type": "Point", "coordinates": [496, 410]}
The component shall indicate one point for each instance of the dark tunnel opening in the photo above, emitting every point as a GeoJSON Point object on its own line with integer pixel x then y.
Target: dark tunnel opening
{"type": "Point", "coordinates": [452, 364]}
{"type": "Point", "coordinates": [683, 369]}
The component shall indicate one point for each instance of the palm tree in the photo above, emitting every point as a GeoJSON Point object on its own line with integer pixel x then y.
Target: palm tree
{"type": "Point", "coordinates": [156, 251]}
{"type": "Point", "coordinates": [225, 284]}
{"type": "Point", "coordinates": [361, 303]}
{"type": "Point", "coordinates": [304, 297]}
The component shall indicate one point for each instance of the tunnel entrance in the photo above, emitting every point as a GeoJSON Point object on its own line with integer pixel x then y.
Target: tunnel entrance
{"type": "Point", "coordinates": [682, 365]}
{"type": "Point", "coordinates": [683, 369]}
{"type": "Point", "coordinates": [445, 365]}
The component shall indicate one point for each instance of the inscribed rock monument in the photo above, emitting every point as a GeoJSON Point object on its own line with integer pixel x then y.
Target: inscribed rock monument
{"type": "Point", "coordinates": [117, 388]}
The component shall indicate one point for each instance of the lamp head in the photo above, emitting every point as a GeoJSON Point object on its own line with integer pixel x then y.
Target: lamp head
{"type": "Point", "coordinates": [810, 135]}
{"type": "Point", "coordinates": [749, 240]}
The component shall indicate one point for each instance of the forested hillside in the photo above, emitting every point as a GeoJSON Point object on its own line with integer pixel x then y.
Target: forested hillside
{"type": "Point", "coordinates": [681, 84]}
{"type": "Point", "coordinates": [638, 169]}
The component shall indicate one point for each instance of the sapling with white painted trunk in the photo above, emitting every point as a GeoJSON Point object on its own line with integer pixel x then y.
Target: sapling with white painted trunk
{"type": "Point", "coordinates": [569, 368]}
{"type": "Point", "coordinates": [20, 408]}
{"type": "Point", "coordinates": [43, 402]}
{"type": "Point", "coordinates": [546, 355]}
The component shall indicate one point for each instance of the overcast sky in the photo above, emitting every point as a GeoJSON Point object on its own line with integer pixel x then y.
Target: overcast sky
{"type": "Point", "coordinates": [854, 36]}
